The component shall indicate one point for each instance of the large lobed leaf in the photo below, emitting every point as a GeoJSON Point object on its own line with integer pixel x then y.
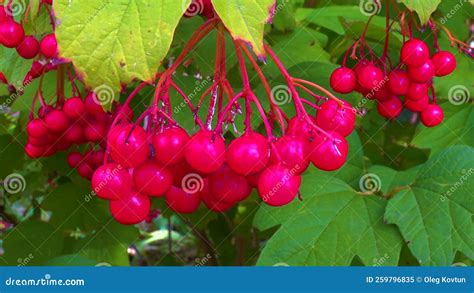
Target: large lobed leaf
{"type": "Point", "coordinates": [424, 8]}
{"type": "Point", "coordinates": [113, 42]}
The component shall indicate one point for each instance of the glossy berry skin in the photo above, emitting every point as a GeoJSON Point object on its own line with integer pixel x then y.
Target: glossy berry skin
{"type": "Point", "coordinates": [369, 77]}
{"type": "Point", "coordinates": [423, 73]}
{"type": "Point", "coordinates": [248, 154]}
{"type": "Point", "coordinates": [294, 153]}
{"type": "Point", "coordinates": [417, 91]}
{"type": "Point", "coordinates": [343, 80]}
{"type": "Point", "coordinates": [49, 46]}
{"type": "Point", "coordinates": [180, 171]}
{"type": "Point", "coordinates": [34, 152]}
{"type": "Point", "coordinates": [330, 154]}
{"type": "Point", "coordinates": [398, 82]}
{"type": "Point", "coordinates": [335, 117]}
{"type": "Point", "coordinates": [414, 53]}
{"type": "Point", "coordinates": [212, 201]}
{"type": "Point", "coordinates": [301, 128]}
{"type": "Point", "coordinates": [152, 179]}
{"type": "Point", "coordinates": [170, 145]}
{"type": "Point", "coordinates": [278, 186]}
{"type": "Point", "coordinates": [112, 181]}
{"type": "Point", "coordinates": [11, 34]}
{"type": "Point", "coordinates": [181, 202]}
{"type": "Point", "coordinates": [205, 152]}
{"type": "Point", "coordinates": [228, 186]}
{"type": "Point", "coordinates": [391, 108]}
{"type": "Point", "coordinates": [56, 121]}
{"type": "Point", "coordinates": [92, 105]}
{"type": "Point", "coordinates": [131, 209]}
{"type": "Point", "coordinates": [128, 145]}
{"type": "Point", "coordinates": [74, 108]}
{"type": "Point", "coordinates": [29, 48]}
{"type": "Point", "coordinates": [74, 159]}
{"type": "Point", "coordinates": [417, 105]}
{"type": "Point", "coordinates": [432, 115]}
{"type": "Point", "coordinates": [444, 62]}
{"type": "Point", "coordinates": [36, 128]}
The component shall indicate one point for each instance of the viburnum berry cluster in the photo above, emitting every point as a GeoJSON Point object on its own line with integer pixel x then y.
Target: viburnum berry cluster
{"type": "Point", "coordinates": [381, 80]}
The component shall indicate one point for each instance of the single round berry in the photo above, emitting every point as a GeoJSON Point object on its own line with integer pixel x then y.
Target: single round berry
{"type": "Point", "coordinates": [29, 48]}
{"type": "Point", "coordinates": [170, 145]}
{"type": "Point", "coordinates": [228, 186]}
{"type": "Point", "coordinates": [335, 117]}
{"type": "Point", "coordinates": [278, 186]}
{"type": "Point", "coordinates": [92, 105]}
{"type": "Point", "coordinates": [74, 108]}
{"type": "Point", "coordinates": [36, 128]}
{"type": "Point", "coordinates": [444, 62]}
{"type": "Point", "coordinates": [112, 181]}
{"type": "Point", "coordinates": [417, 105]}
{"type": "Point", "coordinates": [97, 158]}
{"type": "Point", "coordinates": [370, 77]}
{"type": "Point", "coordinates": [398, 82]}
{"type": "Point", "coordinates": [417, 91]}
{"type": "Point", "coordinates": [343, 80]}
{"type": "Point", "coordinates": [85, 171]}
{"type": "Point", "coordinates": [57, 121]}
{"type": "Point", "coordinates": [74, 159]}
{"type": "Point", "coordinates": [128, 145]}
{"type": "Point", "coordinates": [293, 153]}
{"type": "Point", "coordinates": [205, 152]}
{"type": "Point", "coordinates": [391, 108]}
{"type": "Point", "coordinates": [182, 202]}
{"type": "Point", "coordinates": [414, 53]}
{"type": "Point", "coordinates": [49, 46]}
{"type": "Point", "coordinates": [432, 115]}
{"type": "Point", "coordinates": [423, 73]}
{"type": "Point", "coordinates": [152, 179]}
{"type": "Point", "coordinates": [11, 34]}
{"type": "Point", "coordinates": [248, 154]}
{"type": "Point", "coordinates": [298, 126]}
{"type": "Point", "coordinates": [330, 153]}
{"type": "Point", "coordinates": [131, 209]}
{"type": "Point", "coordinates": [34, 152]}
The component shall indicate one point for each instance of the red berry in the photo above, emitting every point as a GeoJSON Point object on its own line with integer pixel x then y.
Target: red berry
{"type": "Point", "coordinates": [417, 91]}
{"type": "Point", "coordinates": [56, 121]}
{"type": "Point", "coordinates": [414, 53]}
{"type": "Point", "coordinates": [248, 154]}
{"type": "Point", "coordinates": [330, 154]}
{"type": "Point", "coordinates": [278, 186]}
{"type": "Point", "coordinates": [170, 145]}
{"type": "Point", "coordinates": [369, 77]}
{"type": "Point", "coordinates": [205, 152]}
{"type": "Point", "coordinates": [343, 80]}
{"type": "Point", "coordinates": [417, 105]}
{"type": "Point", "coordinates": [95, 132]}
{"type": "Point", "coordinates": [92, 105]}
{"type": "Point", "coordinates": [391, 108]}
{"type": "Point", "coordinates": [74, 133]}
{"type": "Point", "coordinates": [36, 128]}
{"type": "Point", "coordinates": [97, 158]}
{"type": "Point", "coordinates": [294, 153]}
{"type": "Point", "coordinates": [398, 82]}
{"type": "Point", "coordinates": [131, 209]}
{"type": "Point", "coordinates": [180, 171]}
{"type": "Point", "coordinates": [74, 159]}
{"type": "Point", "coordinates": [112, 181]}
{"type": "Point", "coordinates": [33, 151]}
{"type": "Point", "coordinates": [228, 186]}
{"type": "Point", "coordinates": [128, 145]}
{"type": "Point", "coordinates": [85, 171]}
{"type": "Point", "coordinates": [29, 48]}
{"type": "Point", "coordinates": [74, 107]}
{"type": "Point", "coordinates": [11, 34]}
{"type": "Point", "coordinates": [444, 62]}
{"type": "Point", "coordinates": [422, 73]}
{"type": "Point", "coordinates": [181, 202]}
{"type": "Point", "coordinates": [432, 115]}
{"type": "Point", "coordinates": [334, 117]}
{"type": "Point", "coordinates": [49, 46]}
{"type": "Point", "coordinates": [152, 179]}
{"type": "Point", "coordinates": [298, 126]}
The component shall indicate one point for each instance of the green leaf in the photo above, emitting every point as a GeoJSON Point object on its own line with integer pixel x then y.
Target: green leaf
{"type": "Point", "coordinates": [32, 243]}
{"type": "Point", "coordinates": [113, 42]}
{"type": "Point", "coordinates": [246, 19]}
{"type": "Point", "coordinates": [455, 129]}
{"type": "Point", "coordinates": [435, 214]}
{"type": "Point", "coordinates": [71, 260]}
{"type": "Point", "coordinates": [13, 66]}
{"type": "Point", "coordinates": [332, 225]}
{"type": "Point", "coordinates": [12, 157]}
{"type": "Point", "coordinates": [424, 8]}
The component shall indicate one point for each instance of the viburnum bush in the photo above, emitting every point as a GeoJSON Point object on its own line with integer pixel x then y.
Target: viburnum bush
{"type": "Point", "coordinates": [231, 126]}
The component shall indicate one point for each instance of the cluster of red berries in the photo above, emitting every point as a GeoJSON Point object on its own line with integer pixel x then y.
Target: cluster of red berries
{"type": "Point", "coordinates": [187, 170]}
{"type": "Point", "coordinates": [12, 35]}
{"type": "Point", "coordinates": [412, 78]}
